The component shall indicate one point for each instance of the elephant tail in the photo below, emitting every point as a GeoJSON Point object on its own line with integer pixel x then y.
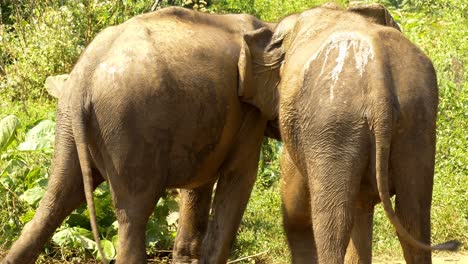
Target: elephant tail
{"type": "Point", "coordinates": [383, 120]}
{"type": "Point", "coordinates": [80, 114]}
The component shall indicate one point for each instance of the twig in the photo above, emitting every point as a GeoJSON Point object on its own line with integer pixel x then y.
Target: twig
{"type": "Point", "coordinates": [163, 251]}
{"type": "Point", "coordinates": [248, 257]}
{"type": "Point", "coordinates": [9, 190]}
{"type": "Point", "coordinates": [155, 5]}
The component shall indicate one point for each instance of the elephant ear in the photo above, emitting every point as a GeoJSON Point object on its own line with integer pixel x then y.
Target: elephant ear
{"type": "Point", "coordinates": [283, 33]}
{"type": "Point", "coordinates": [254, 55]}
{"type": "Point", "coordinates": [244, 66]}
{"type": "Point", "coordinates": [376, 13]}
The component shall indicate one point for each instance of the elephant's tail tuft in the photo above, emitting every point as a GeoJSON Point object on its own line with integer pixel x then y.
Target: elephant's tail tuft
{"type": "Point", "coordinates": [451, 245]}
{"type": "Point", "coordinates": [80, 113]}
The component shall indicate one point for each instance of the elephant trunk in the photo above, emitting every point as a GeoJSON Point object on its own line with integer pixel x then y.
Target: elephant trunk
{"type": "Point", "coordinates": [80, 112]}
{"type": "Point", "coordinates": [383, 118]}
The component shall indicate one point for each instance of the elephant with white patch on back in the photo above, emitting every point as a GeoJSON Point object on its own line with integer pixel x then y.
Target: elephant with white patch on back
{"type": "Point", "coordinates": [357, 115]}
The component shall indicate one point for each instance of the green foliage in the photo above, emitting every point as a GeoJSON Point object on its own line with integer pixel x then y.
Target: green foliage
{"type": "Point", "coordinates": [23, 174]}
{"type": "Point", "coordinates": [41, 136]}
{"type": "Point", "coordinates": [199, 5]}
{"type": "Point", "coordinates": [34, 47]}
{"type": "Point", "coordinates": [261, 229]}
{"type": "Point", "coordinates": [8, 126]}
{"type": "Point", "coordinates": [45, 38]}
{"type": "Point", "coordinates": [268, 10]}
{"type": "Point", "coordinates": [268, 167]}
{"type": "Point", "coordinates": [75, 237]}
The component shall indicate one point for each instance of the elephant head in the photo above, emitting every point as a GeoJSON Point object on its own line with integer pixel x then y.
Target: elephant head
{"type": "Point", "coordinates": [264, 51]}
{"type": "Point", "coordinates": [262, 54]}
{"type": "Point", "coordinates": [258, 66]}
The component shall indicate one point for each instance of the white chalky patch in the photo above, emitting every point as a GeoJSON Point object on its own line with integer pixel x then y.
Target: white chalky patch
{"type": "Point", "coordinates": [114, 68]}
{"type": "Point", "coordinates": [361, 47]}
{"type": "Point", "coordinates": [103, 66]}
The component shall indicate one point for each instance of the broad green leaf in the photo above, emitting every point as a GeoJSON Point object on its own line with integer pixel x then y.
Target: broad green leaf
{"type": "Point", "coordinates": [172, 218]}
{"type": "Point", "coordinates": [115, 225]}
{"type": "Point", "coordinates": [62, 237]}
{"type": "Point", "coordinates": [74, 236]}
{"type": "Point", "coordinates": [115, 240]}
{"type": "Point", "coordinates": [80, 237]}
{"type": "Point", "coordinates": [111, 229]}
{"type": "Point", "coordinates": [33, 176]}
{"type": "Point", "coordinates": [33, 195]}
{"type": "Point", "coordinates": [82, 232]}
{"type": "Point", "coordinates": [8, 126]}
{"type": "Point", "coordinates": [86, 242]}
{"type": "Point", "coordinates": [28, 216]}
{"type": "Point", "coordinates": [14, 167]}
{"type": "Point", "coordinates": [41, 136]}
{"type": "Point", "coordinates": [108, 248]}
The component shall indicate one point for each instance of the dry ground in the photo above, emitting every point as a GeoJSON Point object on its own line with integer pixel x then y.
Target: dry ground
{"type": "Point", "coordinates": [454, 258]}
{"type": "Point", "coordinates": [441, 258]}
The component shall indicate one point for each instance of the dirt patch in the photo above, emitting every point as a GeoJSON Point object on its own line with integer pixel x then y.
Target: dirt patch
{"type": "Point", "coordinates": [436, 259]}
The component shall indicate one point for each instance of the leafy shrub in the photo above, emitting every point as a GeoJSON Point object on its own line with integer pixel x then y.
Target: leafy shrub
{"type": "Point", "coordinates": [23, 172]}
{"type": "Point", "coordinates": [32, 50]}
{"type": "Point", "coordinates": [268, 167]}
{"type": "Point", "coordinates": [268, 10]}
{"type": "Point", "coordinates": [45, 38]}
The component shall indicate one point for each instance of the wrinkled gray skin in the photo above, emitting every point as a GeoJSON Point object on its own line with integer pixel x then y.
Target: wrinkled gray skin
{"type": "Point", "coordinates": [153, 104]}
{"type": "Point", "coordinates": [357, 114]}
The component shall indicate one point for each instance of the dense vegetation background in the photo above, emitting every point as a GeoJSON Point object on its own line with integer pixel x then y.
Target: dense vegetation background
{"type": "Point", "coordinates": [43, 38]}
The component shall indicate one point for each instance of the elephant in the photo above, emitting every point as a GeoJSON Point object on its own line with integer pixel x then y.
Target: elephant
{"type": "Point", "coordinates": [357, 115]}
{"type": "Point", "coordinates": [155, 103]}
{"type": "Point", "coordinates": [347, 84]}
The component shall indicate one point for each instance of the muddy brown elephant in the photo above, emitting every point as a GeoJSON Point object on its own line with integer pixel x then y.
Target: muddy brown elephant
{"type": "Point", "coordinates": [358, 106]}
{"type": "Point", "coordinates": [152, 104]}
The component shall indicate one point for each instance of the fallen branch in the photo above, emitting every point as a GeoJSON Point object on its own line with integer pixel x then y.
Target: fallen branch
{"type": "Point", "coordinates": [248, 257]}
{"type": "Point", "coordinates": [155, 5]}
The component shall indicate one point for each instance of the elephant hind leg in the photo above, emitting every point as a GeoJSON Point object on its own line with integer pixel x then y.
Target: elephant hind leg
{"type": "Point", "coordinates": [332, 208]}
{"type": "Point", "coordinates": [133, 211]}
{"type": "Point", "coordinates": [237, 177]}
{"type": "Point", "coordinates": [412, 164]}
{"type": "Point", "coordinates": [360, 246]}
{"type": "Point", "coordinates": [336, 162]}
{"type": "Point", "coordinates": [193, 222]}
{"type": "Point", "coordinates": [64, 194]}
{"type": "Point", "coordinates": [132, 221]}
{"type": "Point", "coordinates": [297, 220]}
